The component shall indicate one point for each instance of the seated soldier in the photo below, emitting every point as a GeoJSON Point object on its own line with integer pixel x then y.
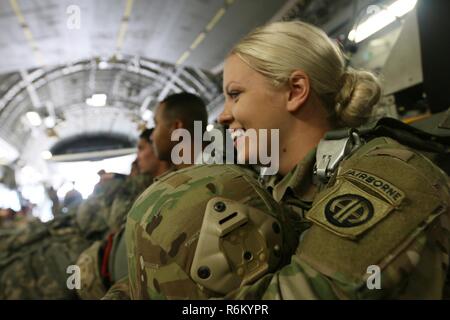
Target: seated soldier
{"type": "Point", "coordinates": [176, 111]}
{"type": "Point", "coordinates": [34, 260]}
{"type": "Point", "coordinates": [376, 210]}
{"type": "Point", "coordinates": [102, 263]}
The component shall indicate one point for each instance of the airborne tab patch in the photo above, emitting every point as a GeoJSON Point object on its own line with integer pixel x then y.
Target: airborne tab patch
{"type": "Point", "coordinates": [385, 189]}
{"type": "Point", "coordinates": [348, 211]}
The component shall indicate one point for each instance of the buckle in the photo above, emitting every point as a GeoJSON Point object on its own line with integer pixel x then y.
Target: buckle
{"type": "Point", "coordinates": [331, 152]}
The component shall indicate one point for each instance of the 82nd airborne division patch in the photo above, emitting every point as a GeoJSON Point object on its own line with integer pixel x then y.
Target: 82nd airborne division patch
{"type": "Point", "coordinates": [350, 209]}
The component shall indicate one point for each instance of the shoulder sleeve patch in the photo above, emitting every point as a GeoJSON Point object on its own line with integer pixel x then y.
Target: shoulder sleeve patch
{"type": "Point", "coordinates": [377, 205]}
{"type": "Point", "coordinates": [348, 211]}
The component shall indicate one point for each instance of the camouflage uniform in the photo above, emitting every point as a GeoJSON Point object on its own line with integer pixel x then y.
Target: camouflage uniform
{"type": "Point", "coordinates": [110, 253]}
{"type": "Point", "coordinates": [164, 228]}
{"type": "Point", "coordinates": [124, 199]}
{"type": "Point", "coordinates": [34, 260]}
{"type": "Point", "coordinates": [387, 206]}
{"type": "Point", "coordinates": [119, 291]}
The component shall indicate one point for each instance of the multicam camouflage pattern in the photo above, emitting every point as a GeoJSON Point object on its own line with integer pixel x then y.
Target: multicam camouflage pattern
{"type": "Point", "coordinates": [93, 214]}
{"type": "Point", "coordinates": [123, 200]}
{"type": "Point", "coordinates": [34, 260]}
{"type": "Point", "coordinates": [119, 290]}
{"type": "Point", "coordinates": [409, 243]}
{"type": "Point", "coordinates": [91, 281]}
{"type": "Point", "coordinates": [89, 218]}
{"type": "Point", "coordinates": [163, 227]}
{"type": "Point", "coordinates": [114, 210]}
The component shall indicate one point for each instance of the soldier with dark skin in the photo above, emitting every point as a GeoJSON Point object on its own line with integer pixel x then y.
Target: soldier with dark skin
{"type": "Point", "coordinates": [105, 209]}
{"type": "Point", "coordinates": [177, 111]}
{"type": "Point", "coordinates": [383, 211]}
{"type": "Point", "coordinates": [148, 165]}
{"type": "Point", "coordinates": [99, 262]}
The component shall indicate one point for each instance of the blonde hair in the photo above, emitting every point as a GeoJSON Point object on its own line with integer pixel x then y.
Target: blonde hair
{"type": "Point", "coordinates": [278, 49]}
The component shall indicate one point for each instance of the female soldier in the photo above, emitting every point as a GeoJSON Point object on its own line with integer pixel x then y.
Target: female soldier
{"type": "Point", "coordinates": [378, 218]}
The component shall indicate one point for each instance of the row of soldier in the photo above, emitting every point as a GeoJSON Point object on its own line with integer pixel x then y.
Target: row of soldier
{"type": "Point", "coordinates": [35, 259]}
{"type": "Point", "coordinates": [313, 231]}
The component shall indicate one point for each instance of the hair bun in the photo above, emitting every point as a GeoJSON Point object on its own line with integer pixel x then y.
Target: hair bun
{"type": "Point", "coordinates": [360, 92]}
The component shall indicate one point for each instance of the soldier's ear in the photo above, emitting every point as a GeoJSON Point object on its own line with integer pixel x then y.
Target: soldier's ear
{"type": "Point", "coordinates": [299, 88]}
{"type": "Point", "coordinates": [177, 124]}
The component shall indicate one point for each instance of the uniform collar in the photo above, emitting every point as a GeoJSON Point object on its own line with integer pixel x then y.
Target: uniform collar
{"type": "Point", "coordinates": [298, 180]}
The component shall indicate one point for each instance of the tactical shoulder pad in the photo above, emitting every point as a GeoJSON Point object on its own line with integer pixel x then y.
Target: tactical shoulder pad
{"type": "Point", "coordinates": [237, 245]}
{"type": "Point", "coordinates": [170, 240]}
{"type": "Point", "coordinates": [379, 202]}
